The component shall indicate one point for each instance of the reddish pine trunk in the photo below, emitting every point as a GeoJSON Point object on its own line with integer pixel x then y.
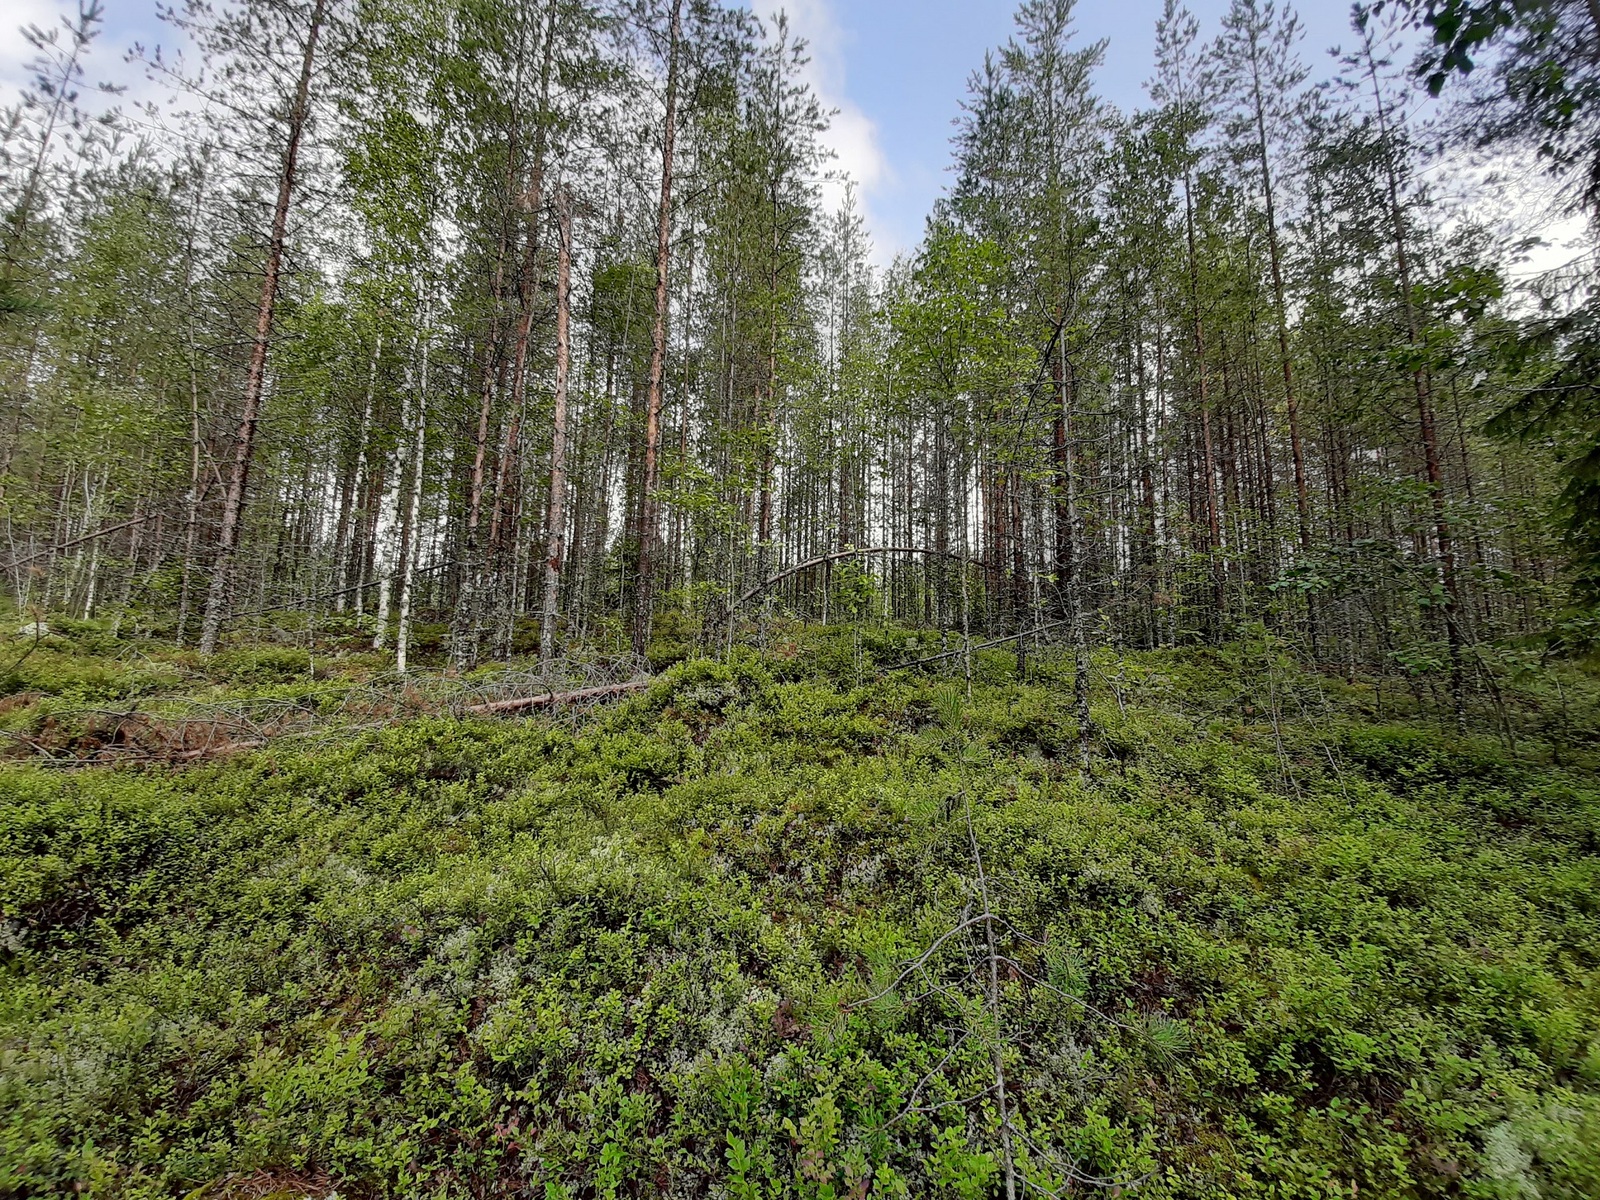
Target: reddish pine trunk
{"type": "Point", "coordinates": [255, 379]}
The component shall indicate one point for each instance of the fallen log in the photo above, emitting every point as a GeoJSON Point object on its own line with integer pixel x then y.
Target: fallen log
{"type": "Point", "coordinates": [166, 745]}
{"type": "Point", "coordinates": [551, 699]}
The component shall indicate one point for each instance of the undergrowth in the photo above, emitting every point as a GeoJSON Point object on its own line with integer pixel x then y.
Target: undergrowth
{"type": "Point", "coordinates": [1288, 941]}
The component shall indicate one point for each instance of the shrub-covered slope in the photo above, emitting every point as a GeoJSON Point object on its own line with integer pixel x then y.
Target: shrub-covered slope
{"type": "Point", "coordinates": [751, 936]}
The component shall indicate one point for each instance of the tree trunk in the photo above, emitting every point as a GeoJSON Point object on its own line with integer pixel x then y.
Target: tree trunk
{"type": "Point", "coordinates": [355, 507]}
{"type": "Point", "coordinates": [191, 506]}
{"type": "Point", "coordinates": [555, 519]}
{"type": "Point", "coordinates": [1213, 521]}
{"type": "Point", "coordinates": [765, 421]}
{"type": "Point", "coordinates": [644, 584]}
{"type": "Point", "coordinates": [411, 544]}
{"type": "Point", "coordinates": [504, 537]}
{"type": "Point", "coordinates": [1274, 253]}
{"type": "Point", "coordinates": [466, 627]}
{"type": "Point", "coordinates": [255, 379]}
{"type": "Point", "coordinates": [1075, 606]}
{"type": "Point", "coordinates": [1426, 422]}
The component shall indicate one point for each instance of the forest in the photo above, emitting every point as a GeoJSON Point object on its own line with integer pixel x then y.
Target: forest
{"type": "Point", "coordinates": [535, 661]}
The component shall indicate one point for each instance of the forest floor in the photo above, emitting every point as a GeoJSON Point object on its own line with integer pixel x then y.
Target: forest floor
{"type": "Point", "coordinates": [794, 925]}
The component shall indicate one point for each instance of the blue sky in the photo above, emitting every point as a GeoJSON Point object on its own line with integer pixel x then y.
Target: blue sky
{"type": "Point", "coordinates": [897, 70]}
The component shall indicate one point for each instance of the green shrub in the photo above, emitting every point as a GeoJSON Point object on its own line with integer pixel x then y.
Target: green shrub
{"type": "Point", "coordinates": [278, 664]}
{"type": "Point", "coordinates": [660, 950]}
{"type": "Point", "coordinates": [1413, 753]}
{"type": "Point", "coordinates": [53, 669]}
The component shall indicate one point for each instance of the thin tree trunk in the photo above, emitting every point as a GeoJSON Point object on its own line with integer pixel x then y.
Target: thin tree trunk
{"type": "Point", "coordinates": [255, 379]}
{"type": "Point", "coordinates": [1058, 433]}
{"type": "Point", "coordinates": [1274, 253]}
{"type": "Point", "coordinates": [410, 550]}
{"type": "Point", "coordinates": [466, 628]}
{"type": "Point", "coordinates": [1212, 520]}
{"type": "Point", "coordinates": [191, 505]}
{"type": "Point", "coordinates": [504, 527]}
{"type": "Point", "coordinates": [555, 520]}
{"type": "Point", "coordinates": [1075, 606]}
{"type": "Point", "coordinates": [1427, 424]}
{"type": "Point", "coordinates": [769, 417]}
{"type": "Point", "coordinates": [356, 506]}
{"type": "Point", "coordinates": [644, 584]}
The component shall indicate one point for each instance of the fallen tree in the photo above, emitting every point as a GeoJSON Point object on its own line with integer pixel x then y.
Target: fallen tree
{"type": "Point", "coordinates": [497, 708]}
{"type": "Point", "coordinates": [195, 733]}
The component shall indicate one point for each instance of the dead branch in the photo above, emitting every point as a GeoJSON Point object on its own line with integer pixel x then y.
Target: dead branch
{"type": "Point", "coordinates": [960, 650]}
{"type": "Point", "coordinates": [144, 733]}
{"type": "Point", "coordinates": [836, 556]}
{"type": "Point", "coordinates": [77, 541]}
{"type": "Point", "coordinates": [218, 750]}
{"type": "Point", "coordinates": [916, 964]}
{"type": "Point", "coordinates": [552, 699]}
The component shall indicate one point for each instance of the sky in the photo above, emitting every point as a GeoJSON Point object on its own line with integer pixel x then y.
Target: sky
{"type": "Point", "coordinates": [895, 71]}
{"type": "Point", "coordinates": [126, 21]}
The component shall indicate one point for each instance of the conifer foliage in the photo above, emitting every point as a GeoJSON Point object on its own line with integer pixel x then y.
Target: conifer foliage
{"type": "Point", "coordinates": [536, 665]}
{"type": "Point", "coordinates": [492, 329]}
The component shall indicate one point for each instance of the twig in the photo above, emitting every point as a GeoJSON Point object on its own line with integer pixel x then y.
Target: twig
{"type": "Point", "coordinates": [550, 699]}
{"type": "Point", "coordinates": [1073, 1173]}
{"type": "Point", "coordinates": [29, 743]}
{"type": "Point", "coordinates": [836, 556]}
{"type": "Point", "coordinates": [1010, 637]}
{"type": "Point", "coordinates": [1078, 1000]}
{"type": "Point", "coordinates": [912, 1106]}
{"type": "Point", "coordinates": [38, 633]}
{"type": "Point", "coordinates": [77, 541]}
{"type": "Point", "coordinates": [224, 748]}
{"type": "Point", "coordinates": [920, 961]}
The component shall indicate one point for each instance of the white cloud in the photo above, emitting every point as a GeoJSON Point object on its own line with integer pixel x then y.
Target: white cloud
{"type": "Point", "coordinates": [15, 52]}
{"type": "Point", "coordinates": [1513, 197]}
{"type": "Point", "coordinates": [852, 134]}
{"type": "Point", "coordinates": [107, 58]}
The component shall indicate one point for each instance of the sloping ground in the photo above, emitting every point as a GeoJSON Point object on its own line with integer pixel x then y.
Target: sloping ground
{"type": "Point", "coordinates": [62, 705]}
{"type": "Point", "coordinates": [731, 938]}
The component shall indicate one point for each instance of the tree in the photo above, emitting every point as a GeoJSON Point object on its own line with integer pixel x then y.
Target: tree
{"type": "Point", "coordinates": [555, 519]}
{"type": "Point", "coordinates": [1389, 142]}
{"type": "Point", "coordinates": [601, 416]}
{"type": "Point", "coordinates": [1256, 62]}
{"type": "Point", "coordinates": [223, 36]}
{"type": "Point", "coordinates": [49, 107]}
{"type": "Point", "coordinates": [644, 594]}
{"type": "Point", "coordinates": [1184, 92]}
{"type": "Point", "coordinates": [1544, 85]}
